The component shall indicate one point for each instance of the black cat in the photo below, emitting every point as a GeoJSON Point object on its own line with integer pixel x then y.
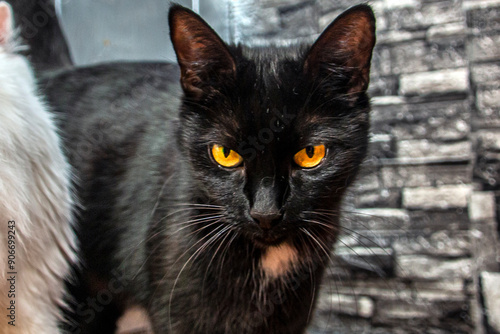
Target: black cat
{"type": "Point", "coordinates": [215, 205]}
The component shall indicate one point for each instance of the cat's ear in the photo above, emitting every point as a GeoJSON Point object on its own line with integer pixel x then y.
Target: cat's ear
{"type": "Point", "coordinates": [345, 47]}
{"type": "Point", "coordinates": [201, 53]}
{"type": "Point", "coordinates": [6, 23]}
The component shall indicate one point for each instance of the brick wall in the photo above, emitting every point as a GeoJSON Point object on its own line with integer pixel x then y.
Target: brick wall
{"type": "Point", "coordinates": [420, 251]}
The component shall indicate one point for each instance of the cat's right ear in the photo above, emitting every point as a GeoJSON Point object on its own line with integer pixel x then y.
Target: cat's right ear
{"type": "Point", "coordinates": [202, 55]}
{"type": "Point", "coordinates": [6, 23]}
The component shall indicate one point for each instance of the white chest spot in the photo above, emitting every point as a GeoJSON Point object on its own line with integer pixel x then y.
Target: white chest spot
{"type": "Point", "coordinates": [279, 260]}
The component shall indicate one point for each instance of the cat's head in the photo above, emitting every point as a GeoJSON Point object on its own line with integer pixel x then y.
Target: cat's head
{"type": "Point", "coordinates": [275, 135]}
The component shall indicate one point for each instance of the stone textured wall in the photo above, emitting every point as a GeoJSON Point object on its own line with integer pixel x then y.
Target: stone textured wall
{"type": "Point", "coordinates": [420, 252]}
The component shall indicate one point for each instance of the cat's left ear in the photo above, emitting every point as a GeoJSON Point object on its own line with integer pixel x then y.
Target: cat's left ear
{"type": "Point", "coordinates": [345, 47]}
{"type": "Point", "coordinates": [6, 23]}
{"type": "Point", "coordinates": [202, 55]}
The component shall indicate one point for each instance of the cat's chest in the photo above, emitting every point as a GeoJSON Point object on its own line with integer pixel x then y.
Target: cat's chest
{"type": "Point", "coordinates": [279, 261]}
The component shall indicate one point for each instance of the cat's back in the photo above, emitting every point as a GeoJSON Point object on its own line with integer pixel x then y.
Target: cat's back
{"type": "Point", "coordinates": [103, 87]}
{"type": "Point", "coordinates": [104, 110]}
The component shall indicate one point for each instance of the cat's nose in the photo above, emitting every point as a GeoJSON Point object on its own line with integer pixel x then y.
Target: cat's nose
{"type": "Point", "coordinates": [266, 220]}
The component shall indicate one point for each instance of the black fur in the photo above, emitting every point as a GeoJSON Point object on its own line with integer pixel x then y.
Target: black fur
{"type": "Point", "coordinates": [164, 226]}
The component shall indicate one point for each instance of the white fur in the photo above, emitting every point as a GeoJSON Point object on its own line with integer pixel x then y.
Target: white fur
{"type": "Point", "coordinates": [35, 192]}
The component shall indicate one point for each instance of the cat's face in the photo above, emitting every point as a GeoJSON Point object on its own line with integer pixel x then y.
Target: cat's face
{"type": "Point", "coordinates": [274, 136]}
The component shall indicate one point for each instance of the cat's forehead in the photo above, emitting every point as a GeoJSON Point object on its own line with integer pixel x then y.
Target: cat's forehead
{"type": "Point", "coordinates": [271, 56]}
{"type": "Point", "coordinates": [271, 79]}
{"type": "Point", "coordinates": [274, 64]}
{"type": "Point", "coordinates": [271, 95]}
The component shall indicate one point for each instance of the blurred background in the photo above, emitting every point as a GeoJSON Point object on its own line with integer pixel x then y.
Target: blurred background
{"type": "Point", "coordinates": [420, 252]}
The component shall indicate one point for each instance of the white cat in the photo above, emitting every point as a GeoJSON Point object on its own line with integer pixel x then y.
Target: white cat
{"type": "Point", "coordinates": [37, 243]}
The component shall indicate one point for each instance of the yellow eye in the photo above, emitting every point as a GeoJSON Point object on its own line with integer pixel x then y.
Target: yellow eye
{"type": "Point", "coordinates": [226, 157]}
{"type": "Point", "coordinates": [310, 156]}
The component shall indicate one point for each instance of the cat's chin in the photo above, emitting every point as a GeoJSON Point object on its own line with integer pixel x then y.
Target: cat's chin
{"type": "Point", "coordinates": [264, 242]}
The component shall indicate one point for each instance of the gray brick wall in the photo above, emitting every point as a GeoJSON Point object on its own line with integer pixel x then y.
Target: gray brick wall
{"type": "Point", "coordinates": [420, 252]}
